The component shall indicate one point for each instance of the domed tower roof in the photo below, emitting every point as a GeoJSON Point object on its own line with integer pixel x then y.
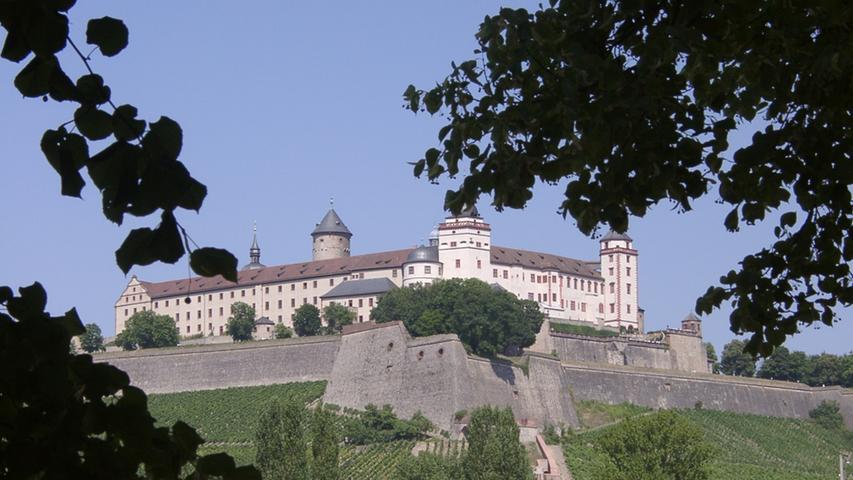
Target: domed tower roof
{"type": "Point", "coordinates": [423, 254]}
{"type": "Point", "coordinates": [331, 224]}
{"type": "Point", "coordinates": [612, 235]}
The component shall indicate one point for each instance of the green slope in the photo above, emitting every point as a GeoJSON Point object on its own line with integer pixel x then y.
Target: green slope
{"type": "Point", "coordinates": [750, 447]}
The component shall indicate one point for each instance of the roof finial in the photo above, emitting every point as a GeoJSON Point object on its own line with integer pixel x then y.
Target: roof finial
{"type": "Point", "coordinates": [331, 202]}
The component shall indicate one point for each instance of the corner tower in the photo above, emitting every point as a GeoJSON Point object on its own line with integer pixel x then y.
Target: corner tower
{"type": "Point", "coordinates": [331, 237]}
{"type": "Point", "coordinates": [619, 265]}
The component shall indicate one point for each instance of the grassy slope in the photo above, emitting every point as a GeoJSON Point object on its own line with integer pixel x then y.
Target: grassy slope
{"type": "Point", "coordinates": [750, 447]}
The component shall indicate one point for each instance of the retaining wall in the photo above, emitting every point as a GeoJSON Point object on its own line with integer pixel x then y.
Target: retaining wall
{"type": "Point", "coordinates": [679, 351]}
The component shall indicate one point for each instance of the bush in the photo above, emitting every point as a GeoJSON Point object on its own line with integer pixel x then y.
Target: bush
{"type": "Point", "coordinates": [458, 416]}
{"type": "Point", "coordinates": [241, 323]}
{"type": "Point", "coordinates": [146, 329]}
{"type": "Point", "coordinates": [282, 331]}
{"type": "Point", "coordinates": [828, 415]}
{"type": "Point", "coordinates": [585, 330]}
{"type": "Point", "coordinates": [376, 425]}
{"type": "Point", "coordinates": [92, 340]}
{"type": "Point", "coordinates": [428, 466]}
{"type": "Point", "coordinates": [306, 321]}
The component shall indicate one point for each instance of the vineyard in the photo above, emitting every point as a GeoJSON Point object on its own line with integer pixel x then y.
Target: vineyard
{"type": "Point", "coordinates": [749, 447]}
{"type": "Point", "coordinates": [227, 416]}
{"type": "Point", "coordinates": [376, 461]}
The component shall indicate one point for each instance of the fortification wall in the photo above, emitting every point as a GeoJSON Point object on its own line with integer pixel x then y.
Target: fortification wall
{"type": "Point", "coordinates": [657, 389]}
{"type": "Point", "coordinates": [220, 366]}
{"type": "Point", "coordinates": [435, 376]}
{"type": "Point", "coordinates": [682, 352]}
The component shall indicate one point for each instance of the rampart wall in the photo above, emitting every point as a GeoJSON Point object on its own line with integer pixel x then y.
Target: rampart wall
{"type": "Point", "coordinates": [233, 365]}
{"type": "Point", "coordinates": [658, 389]}
{"type": "Point", "coordinates": [682, 352]}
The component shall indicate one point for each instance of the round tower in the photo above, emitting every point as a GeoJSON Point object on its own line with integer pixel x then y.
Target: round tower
{"type": "Point", "coordinates": [422, 266]}
{"type": "Point", "coordinates": [331, 237]}
{"type": "Point", "coordinates": [692, 324]}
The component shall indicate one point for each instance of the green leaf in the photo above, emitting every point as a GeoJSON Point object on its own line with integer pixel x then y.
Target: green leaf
{"type": "Point", "coordinates": [125, 125]}
{"type": "Point", "coordinates": [109, 34]}
{"type": "Point", "coordinates": [94, 124]}
{"type": "Point", "coordinates": [164, 139]}
{"type": "Point", "coordinates": [209, 262]}
{"type": "Point", "coordinates": [92, 89]}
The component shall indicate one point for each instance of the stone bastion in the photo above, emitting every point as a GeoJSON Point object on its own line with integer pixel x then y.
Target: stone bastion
{"type": "Point", "coordinates": [382, 364]}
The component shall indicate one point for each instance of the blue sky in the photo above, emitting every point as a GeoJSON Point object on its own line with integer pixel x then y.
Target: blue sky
{"type": "Point", "coordinates": [286, 104]}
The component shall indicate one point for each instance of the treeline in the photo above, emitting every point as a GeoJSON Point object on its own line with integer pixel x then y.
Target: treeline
{"type": "Point", "coordinates": [814, 370]}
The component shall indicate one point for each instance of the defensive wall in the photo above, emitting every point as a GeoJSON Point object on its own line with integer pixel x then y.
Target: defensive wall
{"type": "Point", "coordinates": [382, 364]}
{"type": "Point", "coordinates": [207, 367]}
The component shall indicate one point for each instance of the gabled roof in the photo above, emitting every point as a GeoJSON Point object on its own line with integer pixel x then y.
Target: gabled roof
{"type": "Point", "coordinates": [279, 273]}
{"type": "Point", "coordinates": [264, 321]}
{"type": "Point", "coordinates": [544, 261]}
{"type": "Point", "coordinates": [332, 223]}
{"type": "Point", "coordinates": [356, 288]}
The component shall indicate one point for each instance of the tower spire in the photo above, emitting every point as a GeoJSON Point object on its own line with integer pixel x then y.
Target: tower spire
{"type": "Point", "coordinates": [254, 250]}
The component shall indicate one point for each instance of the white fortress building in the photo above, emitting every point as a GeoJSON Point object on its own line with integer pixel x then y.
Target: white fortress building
{"type": "Point", "coordinates": [602, 292]}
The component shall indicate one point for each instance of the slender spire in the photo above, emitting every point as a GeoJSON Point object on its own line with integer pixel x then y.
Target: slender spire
{"type": "Point", "coordinates": [254, 250]}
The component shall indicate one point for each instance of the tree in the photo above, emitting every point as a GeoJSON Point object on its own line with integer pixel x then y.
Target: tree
{"type": "Point", "coordinates": [487, 320]}
{"type": "Point", "coordinates": [269, 449]}
{"type": "Point", "coordinates": [660, 446]}
{"type": "Point", "coordinates": [146, 329]}
{"type": "Point", "coordinates": [92, 340]}
{"type": "Point", "coordinates": [282, 331]}
{"type": "Point", "coordinates": [306, 321]}
{"type": "Point", "coordinates": [629, 104]}
{"type": "Point", "coordinates": [494, 451]}
{"type": "Point", "coordinates": [711, 353]}
{"type": "Point", "coordinates": [324, 445]}
{"type": "Point", "coordinates": [90, 422]}
{"type": "Point", "coordinates": [735, 361]}
{"type": "Point", "coordinates": [336, 316]}
{"type": "Point", "coordinates": [295, 447]}
{"type": "Point", "coordinates": [828, 415]}
{"type": "Point", "coordinates": [823, 369]}
{"type": "Point", "coordinates": [241, 323]}
{"type": "Point", "coordinates": [784, 365]}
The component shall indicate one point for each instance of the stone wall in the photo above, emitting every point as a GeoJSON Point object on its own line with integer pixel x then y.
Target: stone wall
{"type": "Point", "coordinates": [658, 389]}
{"type": "Point", "coordinates": [381, 364]}
{"type": "Point", "coordinates": [220, 366]}
{"type": "Point", "coordinates": [679, 351]}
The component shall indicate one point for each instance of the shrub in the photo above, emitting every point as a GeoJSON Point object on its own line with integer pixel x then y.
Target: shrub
{"type": "Point", "coordinates": [827, 415]}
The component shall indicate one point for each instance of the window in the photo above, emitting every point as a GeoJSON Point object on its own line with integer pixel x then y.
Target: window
{"type": "Point", "coordinates": [349, 303]}
{"type": "Point", "coordinates": [506, 274]}
{"type": "Point", "coordinates": [600, 308]}
{"type": "Point", "coordinates": [411, 270]}
{"type": "Point", "coordinates": [612, 308]}
{"type": "Point", "coordinates": [279, 304]}
{"type": "Point", "coordinates": [266, 305]}
{"type": "Point", "coordinates": [627, 259]}
{"type": "Point", "coordinates": [538, 297]}
{"type": "Point", "coordinates": [232, 294]}
{"type": "Point", "coordinates": [253, 292]}
{"type": "Point", "coordinates": [561, 303]}
{"type": "Point", "coordinates": [304, 285]}
{"type": "Point", "coordinates": [198, 327]}
{"type": "Point", "coordinates": [530, 296]}
{"type": "Point", "coordinates": [292, 287]}
{"type": "Point", "coordinates": [370, 301]}
{"type": "Point", "coordinates": [331, 282]}
{"type": "Point", "coordinates": [221, 311]}
{"type": "Point", "coordinates": [428, 269]}
{"type": "Point", "coordinates": [360, 318]}
{"type": "Point", "coordinates": [360, 302]}
{"type": "Point", "coordinates": [167, 303]}
{"type": "Point", "coordinates": [628, 269]}
{"type": "Point", "coordinates": [242, 293]}
{"type": "Point", "coordinates": [458, 263]}
{"type": "Point", "coordinates": [314, 284]}
{"type": "Point", "coordinates": [553, 279]}
{"type": "Point", "coordinates": [198, 299]}
{"type": "Point", "coordinates": [266, 289]}
{"type": "Point", "coordinates": [156, 304]}
{"type": "Point", "coordinates": [589, 285]}
{"type": "Point", "coordinates": [452, 244]}
{"type": "Point", "coordinates": [210, 326]}
{"type": "Point", "coordinates": [581, 285]}
{"type": "Point", "coordinates": [479, 264]}
{"type": "Point", "coordinates": [394, 273]}
{"type": "Point", "coordinates": [220, 329]}
{"type": "Point", "coordinates": [576, 284]}
{"type": "Point", "coordinates": [612, 287]}
{"type": "Point", "coordinates": [611, 271]}
{"type": "Point", "coordinates": [628, 288]}
{"type": "Point", "coordinates": [595, 287]}
{"type": "Point", "coordinates": [572, 305]}
{"type": "Point", "coordinates": [198, 314]}
{"type": "Point", "coordinates": [210, 298]}
{"type": "Point", "coordinates": [304, 300]}
{"type": "Point", "coordinates": [495, 272]}
{"type": "Point", "coordinates": [479, 244]}
{"type": "Point", "coordinates": [628, 307]}
{"type": "Point", "coordinates": [143, 308]}
{"type": "Point", "coordinates": [279, 289]}
{"type": "Point", "coordinates": [553, 297]}
{"type": "Point", "coordinates": [188, 329]}
{"type": "Point", "coordinates": [209, 312]}
{"type": "Point", "coordinates": [532, 278]}
{"type": "Point", "coordinates": [292, 302]}
{"type": "Point", "coordinates": [125, 312]}
{"type": "Point", "coordinates": [253, 305]}
{"type": "Point", "coordinates": [220, 295]}
{"type": "Point", "coordinates": [188, 315]}
{"type": "Point", "coordinates": [314, 301]}
{"type": "Point", "coordinates": [583, 306]}
{"type": "Point", "coordinates": [177, 317]}
{"type": "Point", "coordinates": [279, 319]}
{"type": "Point", "coordinates": [361, 275]}
{"type": "Point", "coordinates": [610, 258]}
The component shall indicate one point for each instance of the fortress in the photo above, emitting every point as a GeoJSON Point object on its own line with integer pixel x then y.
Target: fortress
{"type": "Point", "coordinates": [600, 292]}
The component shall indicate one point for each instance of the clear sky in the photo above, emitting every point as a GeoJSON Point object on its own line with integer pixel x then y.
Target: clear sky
{"type": "Point", "coordinates": [285, 104]}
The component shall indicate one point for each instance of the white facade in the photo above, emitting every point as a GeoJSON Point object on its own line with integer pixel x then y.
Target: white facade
{"type": "Point", "coordinates": [604, 293]}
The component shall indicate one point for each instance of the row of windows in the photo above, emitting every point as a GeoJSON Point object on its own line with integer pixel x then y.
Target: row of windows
{"type": "Point", "coordinates": [613, 288]}
{"type": "Point", "coordinates": [427, 270]}
{"type": "Point", "coordinates": [627, 271]}
{"type": "Point", "coordinates": [610, 258]}
{"type": "Point", "coordinates": [613, 308]}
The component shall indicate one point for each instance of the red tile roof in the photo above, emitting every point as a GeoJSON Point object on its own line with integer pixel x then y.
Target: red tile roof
{"type": "Point", "coordinates": [544, 261]}
{"type": "Point", "coordinates": [280, 273]}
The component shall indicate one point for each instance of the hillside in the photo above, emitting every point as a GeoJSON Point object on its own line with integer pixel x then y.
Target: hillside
{"type": "Point", "coordinates": [749, 447]}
